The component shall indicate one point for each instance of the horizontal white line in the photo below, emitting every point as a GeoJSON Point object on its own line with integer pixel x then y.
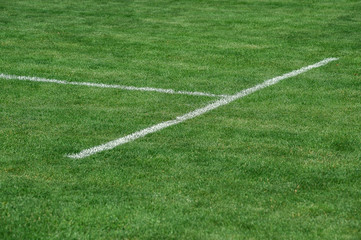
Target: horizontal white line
{"type": "Point", "coordinates": [197, 112]}
{"type": "Point", "coordinates": [101, 85]}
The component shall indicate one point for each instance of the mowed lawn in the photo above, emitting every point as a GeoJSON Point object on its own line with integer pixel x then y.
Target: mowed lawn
{"type": "Point", "coordinates": [281, 163]}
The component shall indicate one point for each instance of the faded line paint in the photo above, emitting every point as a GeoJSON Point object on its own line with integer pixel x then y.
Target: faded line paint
{"type": "Point", "coordinates": [197, 112]}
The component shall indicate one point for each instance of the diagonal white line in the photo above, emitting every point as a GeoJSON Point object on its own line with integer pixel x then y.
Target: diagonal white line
{"type": "Point", "coordinates": [101, 85]}
{"type": "Point", "coordinates": [197, 112]}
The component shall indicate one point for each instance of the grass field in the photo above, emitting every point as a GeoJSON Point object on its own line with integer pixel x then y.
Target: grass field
{"type": "Point", "coordinates": [281, 163]}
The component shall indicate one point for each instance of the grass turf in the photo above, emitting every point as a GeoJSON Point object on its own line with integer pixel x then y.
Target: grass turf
{"type": "Point", "coordinates": [281, 163]}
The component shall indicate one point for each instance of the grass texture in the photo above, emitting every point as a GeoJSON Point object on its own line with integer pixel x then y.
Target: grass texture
{"type": "Point", "coordinates": [282, 163]}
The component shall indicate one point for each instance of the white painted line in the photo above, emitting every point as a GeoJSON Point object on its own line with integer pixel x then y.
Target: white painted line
{"type": "Point", "coordinates": [101, 85]}
{"type": "Point", "coordinates": [197, 112]}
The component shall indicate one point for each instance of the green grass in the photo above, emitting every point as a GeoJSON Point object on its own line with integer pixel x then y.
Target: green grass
{"type": "Point", "coordinates": [282, 163]}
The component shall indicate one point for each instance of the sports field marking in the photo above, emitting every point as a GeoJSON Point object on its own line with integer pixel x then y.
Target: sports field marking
{"type": "Point", "coordinates": [101, 85]}
{"type": "Point", "coordinates": [197, 112]}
